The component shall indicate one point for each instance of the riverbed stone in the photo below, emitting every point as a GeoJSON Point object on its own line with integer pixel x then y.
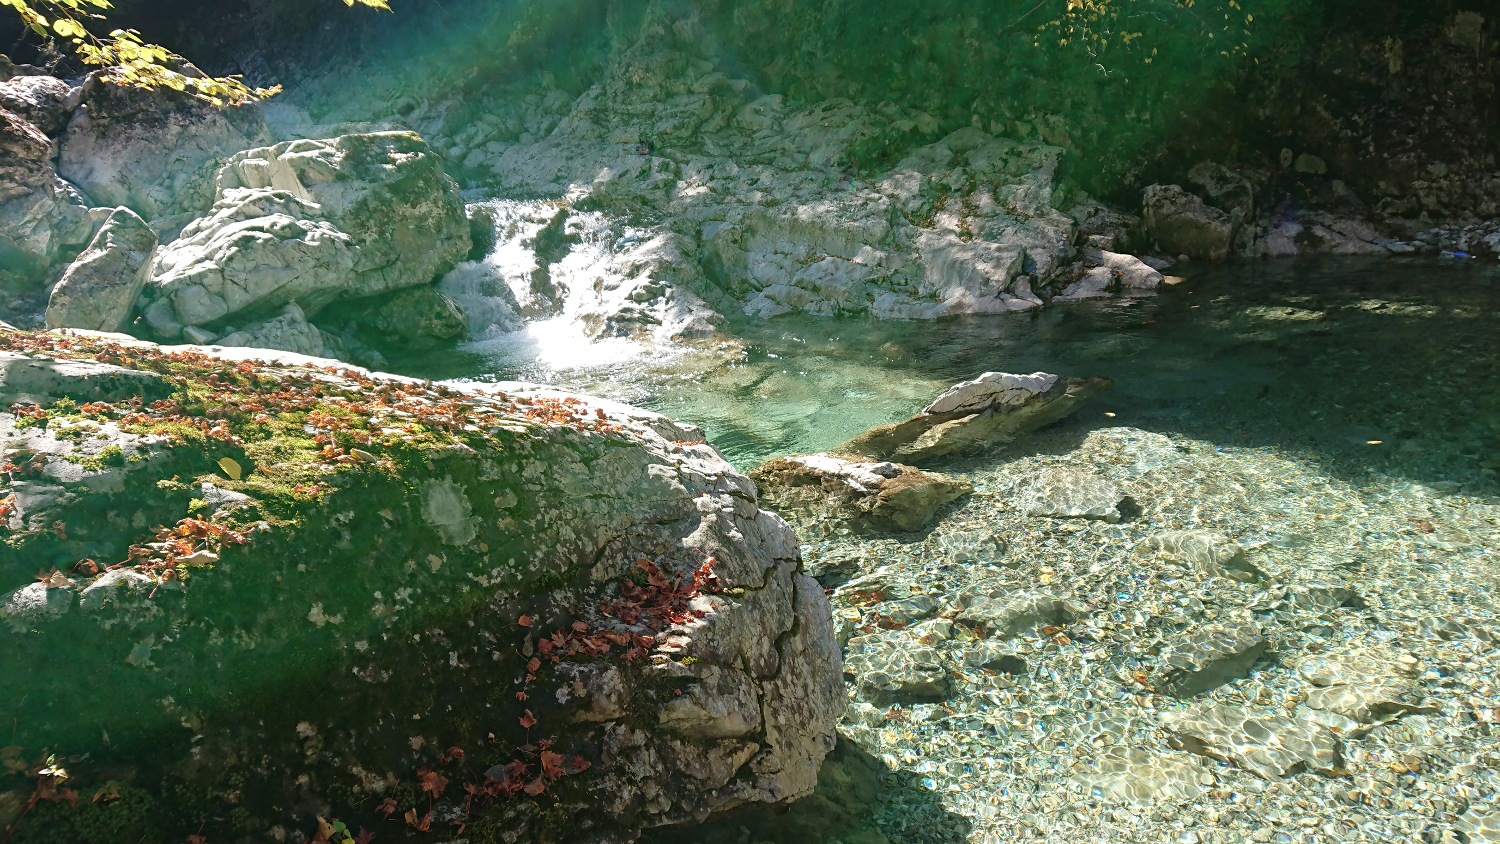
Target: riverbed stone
{"type": "Point", "coordinates": [99, 288]}
{"type": "Point", "coordinates": [887, 669]}
{"type": "Point", "coordinates": [1024, 613]}
{"type": "Point", "coordinates": [1207, 657]}
{"type": "Point", "coordinates": [1265, 742]}
{"type": "Point", "coordinates": [881, 496]}
{"type": "Point", "coordinates": [1208, 552]}
{"type": "Point", "coordinates": [1070, 494]}
{"type": "Point", "coordinates": [994, 408]}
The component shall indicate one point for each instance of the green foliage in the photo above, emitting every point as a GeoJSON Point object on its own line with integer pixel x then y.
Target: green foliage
{"type": "Point", "coordinates": [130, 62]}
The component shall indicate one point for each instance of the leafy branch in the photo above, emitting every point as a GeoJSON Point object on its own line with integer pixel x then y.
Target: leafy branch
{"type": "Point", "coordinates": [130, 62]}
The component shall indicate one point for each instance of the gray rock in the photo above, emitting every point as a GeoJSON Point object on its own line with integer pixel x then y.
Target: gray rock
{"type": "Point", "coordinates": [890, 670]}
{"type": "Point", "coordinates": [113, 587]}
{"type": "Point", "coordinates": [1226, 190]}
{"type": "Point", "coordinates": [153, 151]}
{"type": "Point", "coordinates": [43, 101]}
{"type": "Point", "coordinates": [289, 331]}
{"type": "Point", "coordinates": [41, 380]}
{"type": "Point", "coordinates": [732, 704]}
{"type": "Point", "coordinates": [880, 496]}
{"type": "Point", "coordinates": [1181, 223]}
{"type": "Point", "coordinates": [1070, 494]}
{"type": "Point", "coordinates": [42, 217]}
{"type": "Point", "coordinates": [1208, 657]}
{"type": "Point", "coordinates": [417, 317]}
{"type": "Point", "coordinates": [1208, 552]}
{"type": "Point", "coordinates": [1267, 743]}
{"type": "Point", "coordinates": [994, 408]}
{"type": "Point", "coordinates": [99, 289]}
{"type": "Point", "coordinates": [35, 603]}
{"type": "Point", "coordinates": [311, 222]}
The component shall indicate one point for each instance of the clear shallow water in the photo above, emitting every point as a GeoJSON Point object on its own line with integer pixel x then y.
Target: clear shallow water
{"type": "Point", "coordinates": [1387, 364]}
{"type": "Point", "coordinates": [1339, 418]}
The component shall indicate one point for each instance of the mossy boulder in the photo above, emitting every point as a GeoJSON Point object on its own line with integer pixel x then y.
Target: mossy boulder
{"type": "Point", "coordinates": [292, 598]}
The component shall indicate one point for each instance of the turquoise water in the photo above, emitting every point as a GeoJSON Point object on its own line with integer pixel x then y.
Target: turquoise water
{"type": "Point", "coordinates": [1385, 364]}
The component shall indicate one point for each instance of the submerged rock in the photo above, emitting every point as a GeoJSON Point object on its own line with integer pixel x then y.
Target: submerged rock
{"type": "Point", "coordinates": [993, 408]}
{"type": "Point", "coordinates": [1208, 657]}
{"type": "Point", "coordinates": [1070, 494]}
{"type": "Point", "coordinates": [882, 496]}
{"type": "Point", "coordinates": [1208, 552]}
{"type": "Point", "coordinates": [892, 668]}
{"type": "Point", "coordinates": [1270, 744]}
{"type": "Point", "coordinates": [542, 587]}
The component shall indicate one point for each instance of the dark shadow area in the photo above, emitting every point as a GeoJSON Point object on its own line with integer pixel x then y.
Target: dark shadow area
{"type": "Point", "coordinates": [857, 801]}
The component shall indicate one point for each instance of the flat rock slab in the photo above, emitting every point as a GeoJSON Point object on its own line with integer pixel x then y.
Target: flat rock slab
{"type": "Point", "coordinates": [996, 407]}
{"type": "Point", "coordinates": [1263, 741]}
{"type": "Point", "coordinates": [1208, 657]}
{"type": "Point", "coordinates": [1071, 494]}
{"type": "Point", "coordinates": [29, 379]}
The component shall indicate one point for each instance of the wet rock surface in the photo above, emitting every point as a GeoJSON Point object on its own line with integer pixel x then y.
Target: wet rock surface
{"type": "Point", "coordinates": [993, 408]}
{"type": "Point", "coordinates": [832, 487]}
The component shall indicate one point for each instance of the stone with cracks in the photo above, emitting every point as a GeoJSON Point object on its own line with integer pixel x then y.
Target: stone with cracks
{"type": "Point", "coordinates": [154, 151]}
{"type": "Point", "coordinates": [311, 222]}
{"type": "Point", "coordinates": [994, 408]}
{"type": "Point", "coordinates": [876, 495]}
{"type": "Point", "coordinates": [341, 655]}
{"type": "Point", "coordinates": [43, 101]}
{"type": "Point", "coordinates": [1184, 224]}
{"type": "Point", "coordinates": [98, 290]}
{"type": "Point", "coordinates": [42, 218]}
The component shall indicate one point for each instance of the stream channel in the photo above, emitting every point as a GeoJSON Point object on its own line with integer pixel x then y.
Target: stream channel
{"type": "Point", "coordinates": [1338, 418]}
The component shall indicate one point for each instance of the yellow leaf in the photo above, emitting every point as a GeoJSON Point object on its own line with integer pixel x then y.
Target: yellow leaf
{"type": "Point", "coordinates": [231, 468]}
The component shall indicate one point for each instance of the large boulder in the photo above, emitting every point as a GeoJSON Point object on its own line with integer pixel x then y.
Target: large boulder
{"type": "Point", "coordinates": [154, 151]}
{"type": "Point", "coordinates": [545, 617]}
{"type": "Point", "coordinates": [311, 222]}
{"type": "Point", "coordinates": [1183, 224]}
{"type": "Point", "coordinates": [98, 290]}
{"type": "Point", "coordinates": [993, 408]}
{"type": "Point", "coordinates": [42, 218]}
{"type": "Point", "coordinates": [44, 101]}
